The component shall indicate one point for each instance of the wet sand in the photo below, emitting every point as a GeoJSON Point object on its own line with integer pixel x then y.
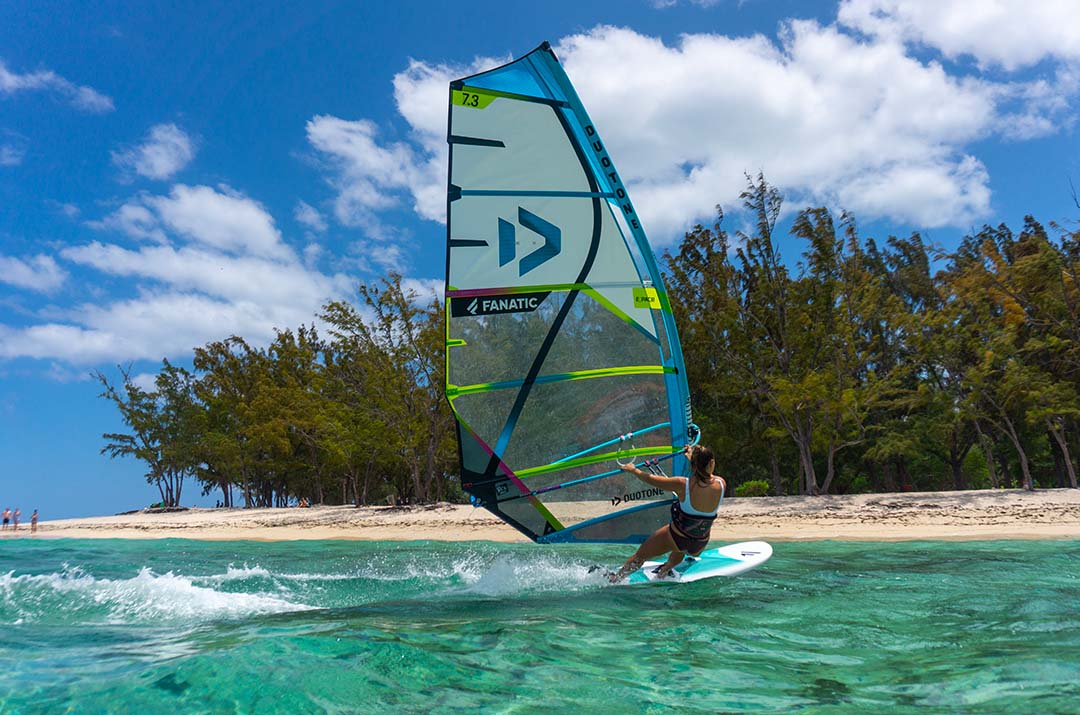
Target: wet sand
{"type": "Point", "coordinates": [969, 515]}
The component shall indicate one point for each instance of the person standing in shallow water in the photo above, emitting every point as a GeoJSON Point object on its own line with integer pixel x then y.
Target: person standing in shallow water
{"type": "Point", "coordinates": [15, 518]}
{"type": "Point", "coordinates": [7, 518]}
{"type": "Point", "coordinates": [692, 516]}
{"type": "Point", "coordinates": [33, 522]}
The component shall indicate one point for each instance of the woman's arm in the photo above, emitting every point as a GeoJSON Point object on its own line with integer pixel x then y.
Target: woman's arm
{"type": "Point", "coordinates": [671, 484]}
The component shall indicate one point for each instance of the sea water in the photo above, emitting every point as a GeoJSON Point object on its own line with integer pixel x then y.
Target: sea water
{"type": "Point", "coordinates": [177, 626]}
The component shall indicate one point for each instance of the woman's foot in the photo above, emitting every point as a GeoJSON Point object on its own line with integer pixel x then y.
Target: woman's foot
{"type": "Point", "coordinates": [628, 568]}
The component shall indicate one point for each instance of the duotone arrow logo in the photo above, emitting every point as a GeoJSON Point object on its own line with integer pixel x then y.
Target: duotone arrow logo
{"type": "Point", "coordinates": [508, 245]}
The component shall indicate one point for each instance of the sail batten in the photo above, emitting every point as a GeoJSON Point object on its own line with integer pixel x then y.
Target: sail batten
{"type": "Point", "coordinates": [524, 192]}
{"type": "Point", "coordinates": [560, 340]}
{"type": "Point", "coordinates": [456, 390]}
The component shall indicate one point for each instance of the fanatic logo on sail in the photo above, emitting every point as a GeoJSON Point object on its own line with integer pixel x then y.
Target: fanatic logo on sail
{"type": "Point", "coordinates": [496, 304]}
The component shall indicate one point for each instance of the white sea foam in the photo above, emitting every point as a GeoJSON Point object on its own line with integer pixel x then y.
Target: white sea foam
{"type": "Point", "coordinates": [508, 575]}
{"type": "Point", "coordinates": [420, 568]}
{"type": "Point", "coordinates": [379, 568]}
{"type": "Point", "coordinates": [316, 576]}
{"type": "Point", "coordinates": [146, 597]}
{"type": "Point", "coordinates": [257, 572]}
{"type": "Point", "coordinates": [240, 574]}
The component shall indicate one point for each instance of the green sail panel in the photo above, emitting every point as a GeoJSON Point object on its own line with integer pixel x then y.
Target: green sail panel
{"type": "Point", "coordinates": [562, 355]}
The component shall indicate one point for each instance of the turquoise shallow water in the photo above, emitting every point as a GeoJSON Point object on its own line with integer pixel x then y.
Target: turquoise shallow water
{"type": "Point", "coordinates": [359, 627]}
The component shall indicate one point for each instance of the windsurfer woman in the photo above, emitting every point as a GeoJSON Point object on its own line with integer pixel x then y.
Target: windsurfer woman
{"type": "Point", "coordinates": [699, 496]}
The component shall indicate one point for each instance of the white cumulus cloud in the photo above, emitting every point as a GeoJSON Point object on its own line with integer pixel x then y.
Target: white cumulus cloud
{"type": "Point", "coordinates": [211, 263]}
{"type": "Point", "coordinates": [219, 218]}
{"type": "Point", "coordinates": [821, 114]}
{"type": "Point", "coordinates": [133, 219]}
{"type": "Point", "coordinates": [308, 215]}
{"type": "Point", "coordinates": [83, 98]}
{"type": "Point", "coordinates": [37, 273]}
{"type": "Point", "coordinates": [223, 219]}
{"type": "Point", "coordinates": [166, 150]}
{"type": "Point", "coordinates": [372, 176]}
{"type": "Point", "coordinates": [151, 326]}
{"type": "Point", "coordinates": [195, 268]}
{"type": "Point", "coordinates": [848, 118]}
{"type": "Point", "coordinates": [1006, 33]}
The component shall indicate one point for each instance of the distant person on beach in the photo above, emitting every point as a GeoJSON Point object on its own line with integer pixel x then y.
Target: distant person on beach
{"type": "Point", "coordinates": [15, 518]}
{"type": "Point", "coordinates": [7, 518]}
{"type": "Point", "coordinates": [33, 522]}
{"type": "Point", "coordinates": [692, 515]}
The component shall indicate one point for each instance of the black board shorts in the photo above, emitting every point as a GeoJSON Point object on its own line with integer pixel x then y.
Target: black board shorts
{"type": "Point", "coordinates": [688, 544]}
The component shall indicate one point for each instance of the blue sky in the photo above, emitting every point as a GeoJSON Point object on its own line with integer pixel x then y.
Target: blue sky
{"type": "Point", "coordinates": [170, 177]}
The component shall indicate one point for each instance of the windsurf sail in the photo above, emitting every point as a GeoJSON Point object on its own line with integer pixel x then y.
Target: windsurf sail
{"type": "Point", "coordinates": [562, 354]}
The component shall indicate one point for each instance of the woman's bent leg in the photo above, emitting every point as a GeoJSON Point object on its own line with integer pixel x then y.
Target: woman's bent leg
{"type": "Point", "coordinates": [656, 545]}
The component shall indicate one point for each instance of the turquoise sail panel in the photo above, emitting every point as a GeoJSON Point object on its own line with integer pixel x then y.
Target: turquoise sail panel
{"type": "Point", "coordinates": [562, 353]}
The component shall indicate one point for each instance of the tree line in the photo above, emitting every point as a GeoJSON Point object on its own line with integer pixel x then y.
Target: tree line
{"type": "Point", "coordinates": [859, 367]}
{"type": "Point", "coordinates": [868, 367]}
{"type": "Point", "coordinates": [353, 417]}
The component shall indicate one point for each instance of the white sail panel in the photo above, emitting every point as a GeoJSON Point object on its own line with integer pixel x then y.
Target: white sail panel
{"type": "Point", "coordinates": [489, 218]}
{"type": "Point", "coordinates": [535, 155]}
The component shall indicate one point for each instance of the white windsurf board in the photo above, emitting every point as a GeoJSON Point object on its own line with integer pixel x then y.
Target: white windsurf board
{"type": "Point", "coordinates": [723, 561]}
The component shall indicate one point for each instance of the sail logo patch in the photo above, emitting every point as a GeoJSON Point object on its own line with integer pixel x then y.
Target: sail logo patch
{"type": "Point", "coordinates": [646, 298]}
{"type": "Point", "coordinates": [635, 496]}
{"type": "Point", "coordinates": [496, 304]}
{"type": "Point", "coordinates": [551, 234]}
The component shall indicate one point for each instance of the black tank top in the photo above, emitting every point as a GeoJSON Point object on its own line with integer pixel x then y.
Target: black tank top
{"type": "Point", "coordinates": [696, 527]}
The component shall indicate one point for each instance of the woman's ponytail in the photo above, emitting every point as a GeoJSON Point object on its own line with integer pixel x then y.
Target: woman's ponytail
{"type": "Point", "coordinates": [700, 457]}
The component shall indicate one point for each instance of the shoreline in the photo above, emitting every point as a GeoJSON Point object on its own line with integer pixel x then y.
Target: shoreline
{"type": "Point", "coordinates": [961, 516]}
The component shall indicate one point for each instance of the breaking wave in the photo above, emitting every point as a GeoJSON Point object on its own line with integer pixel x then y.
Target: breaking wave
{"type": "Point", "coordinates": [75, 596]}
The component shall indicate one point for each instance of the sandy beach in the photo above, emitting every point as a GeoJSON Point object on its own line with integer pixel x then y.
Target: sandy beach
{"type": "Point", "coordinates": [1007, 514]}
